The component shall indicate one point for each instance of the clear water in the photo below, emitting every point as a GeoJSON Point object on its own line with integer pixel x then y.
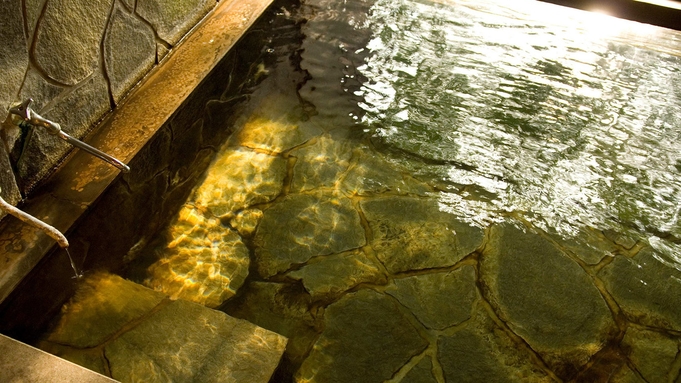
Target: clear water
{"type": "Point", "coordinates": [447, 191]}
{"type": "Point", "coordinates": [566, 118]}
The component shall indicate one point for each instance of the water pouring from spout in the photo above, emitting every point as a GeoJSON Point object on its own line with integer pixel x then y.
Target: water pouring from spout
{"type": "Point", "coordinates": [48, 229]}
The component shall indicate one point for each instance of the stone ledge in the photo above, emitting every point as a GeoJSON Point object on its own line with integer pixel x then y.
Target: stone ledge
{"type": "Point", "coordinates": [63, 199]}
{"type": "Point", "coordinates": [20, 362]}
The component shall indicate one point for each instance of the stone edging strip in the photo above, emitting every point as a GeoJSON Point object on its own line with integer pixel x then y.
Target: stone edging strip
{"type": "Point", "coordinates": [77, 184]}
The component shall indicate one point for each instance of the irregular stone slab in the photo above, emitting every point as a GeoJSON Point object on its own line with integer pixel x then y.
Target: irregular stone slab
{"type": "Point", "coordinates": [338, 273]}
{"type": "Point", "coordinates": [125, 66]}
{"type": "Point", "coordinates": [280, 307]}
{"type": "Point", "coordinates": [173, 341]}
{"type": "Point", "coordinates": [545, 297]}
{"type": "Point", "coordinates": [652, 353]}
{"type": "Point", "coordinates": [412, 234]}
{"type": "Point", "coordinates": [173, 19]}
{"type": "Point", "coordinates": [421, 373]}
{"type": "Point", "coordinates": [320, 165]}
{"type": "Point", "coordinates": [246, 221]}
{"type": "Point", "coordinates": [238, 179]}
{"type": "Point", "coordinates": [262, 133]}
{"type": "Point", "coordinates": [70, 60]}
{"type": "Point", "coordinates": [366, 338]}
{"type": "Point", "coordinates": [13, 53]}
{"type": "Point", "coordinates": [370, 174]}
{"type": "Point", "coordinates": [204, 263]}
{"type": "Point", "coordinates": [646, 290]}
{"type": "Point", "coordinates": [438, 300]}
{"type": "Point", "coordinates": [302, 226]}
{"type": "Point", "coordinates": [94, 323]}
{"type": "Point", "coordinates": [481, 352]}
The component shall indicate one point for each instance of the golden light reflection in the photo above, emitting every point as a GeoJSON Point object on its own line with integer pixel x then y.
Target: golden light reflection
{"type": "Point", "coordinates": [205, 262]}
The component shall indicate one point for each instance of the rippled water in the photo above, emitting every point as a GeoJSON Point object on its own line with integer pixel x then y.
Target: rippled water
{"type": "Point", "coordinates": [569, 119]}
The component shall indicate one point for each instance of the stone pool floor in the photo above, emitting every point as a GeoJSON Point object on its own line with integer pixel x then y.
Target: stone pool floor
{"type": "Point", "coordinates": [311, 234]}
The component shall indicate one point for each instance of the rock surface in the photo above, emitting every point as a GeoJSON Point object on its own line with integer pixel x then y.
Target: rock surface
{"type": "Point", "coordinates": [301, 227]}
{"type": "Point", "coordinates": [645, 289]}
{"type": "Point", "coordinates": [545, 297]}
{"type": "Point", "coordinates": [126, 66]}
{"type": "Point", "coordinates": [412, 234]}
{"type": "Point", "coordinates": [136, 334]}
{"type": "Point", "coordinates": [438, 300]}
{"type": "Point", "coordinates": [366, 339]}
{"type": "Point", "coordinates": [205, 262]}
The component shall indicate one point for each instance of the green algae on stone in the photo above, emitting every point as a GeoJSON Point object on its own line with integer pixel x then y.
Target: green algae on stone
{"type": "Point", "coordinates": [337, 273]}
{"type": "Point", "coordinates": [366, 338]}
{"type": "Point", "coordinates": [205, 262]}
{"type": "Point", "coordinates": [302, 226]}
{"type": "Point", "coordinates": [544, 297]}
{"type": "Point", "coordinates": [413, 234]}
{"type": "Point", "coordinates": [238, 179]}
{"type": "Point", "coordinates": [652, 353]}
{"type": "Point", "coordinates": [646, 290]}
{"type": "Point", "coordinates": [320, 165]}
{"type": "Point", "coordinates": [438, 300]}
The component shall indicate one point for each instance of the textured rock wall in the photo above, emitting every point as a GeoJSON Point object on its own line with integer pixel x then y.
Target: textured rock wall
{"type": "Point", "coordinates": [77, 60]}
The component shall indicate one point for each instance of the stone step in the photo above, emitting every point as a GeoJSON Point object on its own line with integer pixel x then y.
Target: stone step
{"type": "Point", "coordinates": [131, 333]}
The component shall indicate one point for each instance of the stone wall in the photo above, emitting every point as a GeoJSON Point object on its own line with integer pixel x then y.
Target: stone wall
{"type": "Point", "coordinates": [76, 60]}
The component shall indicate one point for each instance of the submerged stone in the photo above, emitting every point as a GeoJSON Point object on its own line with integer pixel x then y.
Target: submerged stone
{"type": "Point", "coordinates": [545, 297]}
{"type": "Point", "coordinates": [97, 298]}
{"type": "Point", "coordinates": [366, 338]}
{"type": "Point", "coordinates": [282, 308]}
{"type": "Point", "coordinates": [320, 165]}
{"type": "Point", "coordinates": [170, 341]}
{"type": "Point", "coordinates": [370, 174]}
{"type": "Point", "coordinates": [438, 300]}
{"type": "Point", "coordinates": [302, 226]}
{"type": "Point", "coordinates": [413, 234]}
{"type": "Point", "coordinates": [646, 289]}
{"type": "Point", "coordinates": [421, 373]}
{"type": "Point", "coordinates": [205, 262]}
{"type": "Point", "coordinates": [239, 179]}
{"type": "Point", "coordinates": [338, 273]}
{"type": "Point", "coordinates": [262, 133]}
{"type": "Point", "coordinates": [480, 351]}
{"type": "Point", "coordinates": [652, 353]}
{"type": "Point", "coordinates": [246, 221]}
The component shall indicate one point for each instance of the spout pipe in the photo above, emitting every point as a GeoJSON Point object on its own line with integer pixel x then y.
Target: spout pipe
{"type": "Point", "coordinates": [95, 152]}
{"type": "Point", "coordinates": [24, 113]}
{"type": "Point", "coordinates": [31, 220]}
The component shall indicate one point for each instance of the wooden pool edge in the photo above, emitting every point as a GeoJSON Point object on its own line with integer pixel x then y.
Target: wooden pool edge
{"type": "Point", "coordinates": [82, 178]}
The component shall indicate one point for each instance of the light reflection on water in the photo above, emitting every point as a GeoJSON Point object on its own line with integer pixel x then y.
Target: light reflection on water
{"type": "Point", "coordinates": [571, 122]}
